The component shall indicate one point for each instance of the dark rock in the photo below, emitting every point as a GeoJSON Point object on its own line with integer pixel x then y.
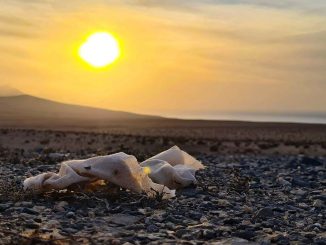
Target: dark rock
{"type": "Point", "coordinates": [248, 234]}
{"type": "Point", "coordinates": [280, 239]}
{"type": "Point", "coordinates": [208, 234]}
{"type": "Point", "coordinates": [181, 232]}
{"type": "Point", "coordinates": [320, 197]}
{"type": "Point", "coordinates": [152, 228]}
{"type": "Point", "coordinates": [26, 204]}
{"type": "Point", "coordinates": [32, 225]}
{"type": "Point", "coordinates": [70, 215]}
{"type": "Point", "coordinates": [188, 192]}
{"type": "Point", "coordinates": [300, 182]}
{"type": "Point", "coordinates": [320, 241]}
{"type": "Point", "coordinates": [236, 241]}
{"type": "Point", "coordinates": [70, 230]}
{"type": "Point", "coordinates": [195, 215]}
{"type": "Point", "coordinates": [318, 203]}
{"type": "Point", "coordinates": [311, 161]}
{"type": "Point", "coordinates": [37, 220]}
{"type": "Point", "coordinates": [264, 213]}
{"type": "Point", "coordinates": [29, 211]}
{"type": "Point", "coordinates": [124, 219]}
{"type": "Point", "coordinates": [231, 221]}
{"type": "Point", "coordinates": [4, 206]}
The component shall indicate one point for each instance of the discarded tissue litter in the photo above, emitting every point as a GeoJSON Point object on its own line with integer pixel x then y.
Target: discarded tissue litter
{"type": "Point", "coordinates": [169, 170]}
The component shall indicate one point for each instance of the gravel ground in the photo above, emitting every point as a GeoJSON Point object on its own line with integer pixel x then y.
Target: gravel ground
{"type": "Point", "coordinates": [240, 199]}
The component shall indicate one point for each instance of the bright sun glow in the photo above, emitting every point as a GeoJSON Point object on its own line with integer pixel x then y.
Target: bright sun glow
{"type": "Point", "coordinates": [100, 49]}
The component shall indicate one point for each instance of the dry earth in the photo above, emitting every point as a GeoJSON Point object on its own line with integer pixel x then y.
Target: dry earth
{"type": "Point", "coordinates": [262, 185]}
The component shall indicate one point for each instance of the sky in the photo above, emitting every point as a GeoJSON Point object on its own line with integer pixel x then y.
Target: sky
{"type": "Point", "coordinates": [182, 58]}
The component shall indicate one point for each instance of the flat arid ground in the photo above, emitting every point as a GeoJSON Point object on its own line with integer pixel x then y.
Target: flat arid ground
{"type": "Point", "coordinates": [264, 183]}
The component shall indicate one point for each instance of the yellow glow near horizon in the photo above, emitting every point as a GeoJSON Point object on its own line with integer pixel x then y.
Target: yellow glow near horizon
{"type": "Point", "coordinates": [100, 49]}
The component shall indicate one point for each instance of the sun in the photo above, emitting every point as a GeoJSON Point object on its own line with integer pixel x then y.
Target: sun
{"type": "Point", "coordinates": [100, 49]}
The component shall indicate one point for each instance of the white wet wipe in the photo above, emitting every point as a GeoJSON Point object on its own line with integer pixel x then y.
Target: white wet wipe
{"type": "Point", "coordinates": [173, 168]}
{"type": "Point", "coordinates": [163, 173]}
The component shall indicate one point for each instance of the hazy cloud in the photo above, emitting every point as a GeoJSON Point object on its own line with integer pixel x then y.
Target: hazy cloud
{"type": "Point", "coordinates": [4, 32]}
{"type": "Point", "coordinates": [12, 20]}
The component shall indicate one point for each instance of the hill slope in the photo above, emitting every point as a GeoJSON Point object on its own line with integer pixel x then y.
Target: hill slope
{"type": "Point", "coordinates": [26, 110]}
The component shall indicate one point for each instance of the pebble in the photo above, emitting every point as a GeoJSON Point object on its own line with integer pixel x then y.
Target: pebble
{"type": "Point", "coordinates": [4, 206]}
{"type": "Point", "coordinates": [247, 234]}
{"type": "Point", "coordinates": [152, 228]}
{"type": "Point", "coordinates": [318, 203]}
{"type": "Point", "coordinates": [208, 234]}
{"type": "Point", "coordinates": [32, 225]}
{"type": "Point", "coordinates": [283, 181]}
{"type": "Point", "coordinates": [61, 206]}
{"type": "Point", "coordinates": [29, 211]}
{"type": "Point", "coordinates": [181, 232]}
{"type": "Point", "coordinates": [264, 213]}
{"type": "Point", "coordinates": [70, 215]}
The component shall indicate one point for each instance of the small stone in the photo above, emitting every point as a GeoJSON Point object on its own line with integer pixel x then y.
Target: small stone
{"type": "Point", "coordinates": [246, 222]}
{"type": "Point", "coordinates": [318, 225]}
{"type": "Point", "coordinates": [209, 234]}
{"type": "Point", "coordinates": [311, 161]}
{"type": "Point", "coordinates": [280, 239]}
{"type": "Point", "coordinates": [136, 227]}
{"type": "Point", "coordinates": [170, 225]}
{"type": "Point", "coordinates": [38, 220]}
{"type": "Point", "coordinates": [318, 203]}
{"type": "Point", "coordinates": [181, 232]}
{"type": "Point", "coordinates": [299, 192]}
{"type": "Point", "coordinates": [195, 215]}
{"type": "Point", "coordinates": [152, 228]}
{"type": "Point", "coordinates": [310, 235]}
{"type": "Point", "coordinates": [188, 192]}
{"type": "Point", "coordinates": [115, 242]}
{"type": "Point", "coordinates": [124, 219]}
{"type": "Point", "coordinates": [40, 208]}
{"type": "Point", "coordinates": [70, 230]}
{"type": "Point", "coordinates": [4, 206]}
{"type": "Point", "coordinates": [26, 204]}
{"type": "Point", "coordinates": [203, 219]}
{"type": "Point", "coordinates": [32, 225]}
{"type": "Point", "coordinates": [231, 221]}
{"type": "Point", "coordinates": [235, 241]}
{"type": "Point", "coordinates": [224, 203]}
{"type": "Point", "coordinates": [303, 205]}
{"type": "Point", "coordinates": [299, 224]}
{"type": "Point", "coordinates": [29, 211]}
{"type": "Point", "coordinates": [264, 213]}
{"type": "Point", "coordinates": [224, 228]}
{"type": "Point", "coordinates": [299, 182]}
{"type": "Point", "coordinates": [268, 230]}
{"type": "Point", "coordinates": [283, 181]}
{"type": "Point", "coordinates": [320, 241]}
{"type": "Point", "coordinates": [147, 221]}
{"type": "Point", "coordinates": [51, 224]}
{"type": "Point", "coordinates": [61, 206]}
{"type": "Point", "coordinates": [247, 209]}
{"type": "Point", "coordinates": [56, 156]}
{"type": "Point", "coordinates": [246, 234]}
{"type": "Point", "coordinates": [91, 214]}
{"type": "Point", "coordinates": [70, 215]}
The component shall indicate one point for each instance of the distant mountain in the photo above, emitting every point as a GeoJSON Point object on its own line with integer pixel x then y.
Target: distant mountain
{"type": "Point", "coordinates": [30, 111]}
{"type": "Point", "coordinates": [6, 90]}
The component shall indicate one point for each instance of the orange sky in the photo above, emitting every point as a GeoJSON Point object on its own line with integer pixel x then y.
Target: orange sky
{"type": "Point", "coordinates": [177, 58]}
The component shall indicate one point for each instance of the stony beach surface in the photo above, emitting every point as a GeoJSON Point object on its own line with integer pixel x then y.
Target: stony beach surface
{"type": "Point", "coordinates": [241, 198]}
